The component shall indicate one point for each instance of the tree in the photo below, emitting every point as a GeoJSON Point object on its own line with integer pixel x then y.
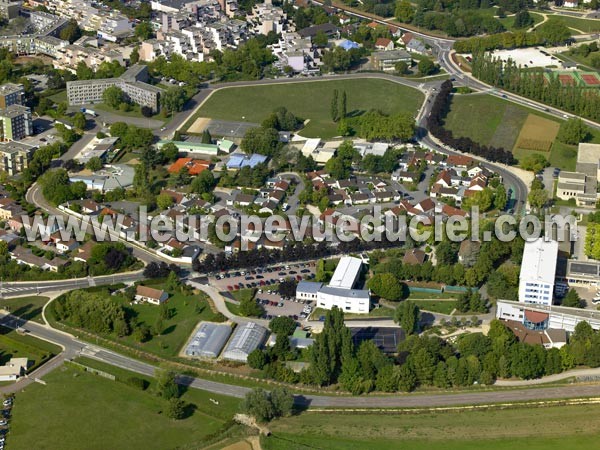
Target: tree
{"type": "Point", "coordinates": [401, 67]}
{"type": "Point", "coordinates": [405, 11]}
{"type": "Point", "coordinates": [166, 386]}
{"type": "Point", "coordinates": [258, 405]}
{"type": "Point", "coordinates": [176, 409]}
{"type": "Point", "coordinates": [169, 151]}
{"type": "Point", "coordinates": [320, 40]}
{"type": "Point", "coordinates": [257, 359]}
{"type": "Point", "coordinates": [387, 286]}
{"type": "Point", "coordinates": [408, 315]}
{"type": "Point", "coordinates": [282, 401]}
{"type": "Point", "coordinates": [334, 106]}
{"type": "Point", "coordinates": [426, 67]}
{"type": "Point", "coordinates": [534, 162]}
{"type": "Point", "coordinates": [164, 201]}
{"type": "Point", "coordinates": [71, 32]}
{"type": "Point", "coordinates": [523, 19]}
{"type": "Point", "coordinates": [537, 198]}
{"type": "Point", "coordinates": [573, 131]}
{"type": "Point", "coordinates": [250, 308]}
{"type": "Point", "coordinates": [83, 72]}
{"type": "Point", "coordinates": [206, 137]}
{"type": "Point", "coordinates": [143, 31]}
{"type": "Point", "coordinates": [79, 121]}
{"type": "Point", "coordinates": [173, 99]}
{"type": "Point", "coordinates": [134, 57]}
{"type": "Point", "coordinates": [282, 325]}
{"type": "Point", "coordinates": [572, 300]}
{"type": "Point", "coordinates": [500, 198]}
{"type": "Point", "coordinates": [343, 106]}
{"type": "Point", "coordinates": [203, 183]}
{"type": "Point", "coordinates": [553, 31]}
{"type": "Point", "coordinates": [94, 164]}
{"type": "Point", "coordinates": [113, 96]}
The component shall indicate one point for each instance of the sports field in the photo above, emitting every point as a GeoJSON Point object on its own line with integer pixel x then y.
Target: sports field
{"type": "Point", "coordinates": [548, 428]}
{"type": "Point", "coordinates": [77, 410]}
{"type": "Point", "coordinates": [310, 101]}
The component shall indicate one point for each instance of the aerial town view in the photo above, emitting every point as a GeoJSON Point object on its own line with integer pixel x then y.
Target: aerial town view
{"type": "Point", "coordinates": [299, 224]}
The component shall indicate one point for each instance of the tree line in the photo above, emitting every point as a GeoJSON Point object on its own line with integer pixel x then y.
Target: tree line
{"type": "Point", "coordinates": [435, 124]}
{"type": "Point", "coordinates": [537, 84]}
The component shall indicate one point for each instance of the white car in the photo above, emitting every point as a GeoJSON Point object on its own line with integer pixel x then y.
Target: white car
{"type": "Point", "coordinates": [3, 423]}
{"type": "Point", "coordinates": [7, 402]}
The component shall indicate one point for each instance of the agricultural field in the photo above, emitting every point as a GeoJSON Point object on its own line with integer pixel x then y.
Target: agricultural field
{"type": "Point", "coordinates": [537, 133]}
{"type": "Point", "coordinates": [497, 123]}
{"type": "Point", "coordinates": [548, 428]}
{"type": "Point", "coordinates": [77, 410]}
{"type": "Point", "coordinates": [309, 101]}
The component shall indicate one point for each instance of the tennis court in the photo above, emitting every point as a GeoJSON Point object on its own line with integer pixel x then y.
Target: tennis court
{"type": "Point", "coordinates": [385, 338]}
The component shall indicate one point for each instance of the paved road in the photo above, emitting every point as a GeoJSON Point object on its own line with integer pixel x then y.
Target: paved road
{"type": "Point", "coordinates": [74, 347]}
{"type": "Point", "coordinates": [34, 196]}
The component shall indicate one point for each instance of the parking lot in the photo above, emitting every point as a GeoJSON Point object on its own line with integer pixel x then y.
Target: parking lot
{"type": "Point", "coordinates": [266, 281]}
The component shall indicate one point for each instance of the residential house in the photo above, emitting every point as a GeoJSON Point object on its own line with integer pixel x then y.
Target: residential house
{"type": "Point", "coordinates": [414, 256]}
{"type": "Point", "coordinates": [384, 44]}
{"type": "Point", "coordinates": [150, 295]}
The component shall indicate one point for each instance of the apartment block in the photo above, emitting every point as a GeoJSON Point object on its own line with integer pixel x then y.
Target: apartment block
{"type": "Point", "coordinates": [14, 157]}
{"type": "Point", "coordinates": [11, 94]}
{"type": "Point", "coordinates": [15, 123]}
{"type": "Point", "coordinates": [132, 82]}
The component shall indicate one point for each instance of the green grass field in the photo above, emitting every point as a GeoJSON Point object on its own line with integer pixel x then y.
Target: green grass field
{"type": "Point", "coordinates": [29, 308]}
{"type": "Point", "coordinates": [78, 410]}
{"type": "Point", "coordinates": [508, 22]}
{"type": "Point", "coordinates": [498, 124]}
{"type": "Point", "coordinates": [15, 345]}
{"type": "Point", "coordinates": [549, 428]}
{"type": "Point", "coordinates": [309, 100]}
{"type": "Point", "coordinates": [585, 25]}
{"type": "Point", "coordinates": [243, 294]}
{"type": "Point", "coordinates": [186, 312]}
{"type": "Point", "coordinates": [442, 307]}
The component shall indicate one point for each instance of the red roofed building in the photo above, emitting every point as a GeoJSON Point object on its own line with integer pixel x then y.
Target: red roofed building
{"type": "Point", "coordinates": [460, 161]}
{"type": "Point", "coordinates": [384, 44]}
{"type": "Point", "coordinates": [194, 166]}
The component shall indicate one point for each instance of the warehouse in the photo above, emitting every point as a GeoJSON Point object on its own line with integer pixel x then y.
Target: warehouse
{"type": "Point", "coordinates": [209, 340]}
{"type": "Point", "coordinates": [245, 340]}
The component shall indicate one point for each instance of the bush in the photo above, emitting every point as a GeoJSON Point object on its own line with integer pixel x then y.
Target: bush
{"type": "Point", "coordinates": [137, 382]}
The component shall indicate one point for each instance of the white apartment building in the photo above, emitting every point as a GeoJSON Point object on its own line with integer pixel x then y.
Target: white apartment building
{"type": "Point", "coordinates": [538, 270]}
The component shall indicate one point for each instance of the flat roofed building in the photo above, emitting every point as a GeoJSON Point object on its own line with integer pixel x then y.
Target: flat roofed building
{"type": "Point", "coordinates": [15, 157]}
{"type": "Point", "coordinates": [132, 83]}
{"type": "Point", "coordinates": [16, 123]}
{"type": "Point", "coordinates": [538, 270]}
{"type": "Point", "coordinates": [246, 338]}
{"type": "Point", "coordinates": [308, 290]}
{"type": "Point", "coordinates": [13, 369]}
{"type": "Point", "coordinates": [209, 340]}
{"type": "Point", "coordinates": [387, 60]}
{"type": "Point", "coordinates": [588, 157]}
{"type": "Point", "coordinates": [582, 273]}
{"type": "Point", "coordinates": [11, 94]}
{"type": "Point", "coordinates": [346, 273]}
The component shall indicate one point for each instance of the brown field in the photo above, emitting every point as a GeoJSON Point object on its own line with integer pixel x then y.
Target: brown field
{"type": "Point", "coordinates": [199, 125]}
{"type": "Point", "coordinates": [537, 134]}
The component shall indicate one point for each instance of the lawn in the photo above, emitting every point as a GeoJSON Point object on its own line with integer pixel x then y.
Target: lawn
{"type": "Point", "coordinates": [442, 307]}
{"type": "Point", "coordinates": [243, 294]}
{"type": "Point", "coordinates": [548, 428]}
{"type": "Point", "coordinates": [310, 101]}
{"type": "Point", "coordinates": [509, 21]}
{"type": "Point", "coordinates": [498, 124]}
{"type": "Point", "coordinates": [59, 97]}
{"type": "Point", "coordinates": [186, 311]}
{"type": "Point", "coordinates": [15, 345]}
{"type": "Point", "coordinates": [80, 410]}
{"type": "Point", "coordinates": [135, 112]}
{"type": "Point", "coordinates": [29, 308]}
{"type": "Point", "coordinates": [585, 25]}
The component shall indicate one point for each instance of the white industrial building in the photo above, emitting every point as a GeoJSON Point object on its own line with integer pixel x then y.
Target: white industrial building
{"type": "Point", "coordinates": [340, 291]}
{"type": "Point", "coordinates": [538, 270]}
{"type": "Point", "coordinates": [245, 340]}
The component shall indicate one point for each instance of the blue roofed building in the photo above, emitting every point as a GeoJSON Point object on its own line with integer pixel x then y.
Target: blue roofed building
{"type": "Point", "coordinates": [239, 160]}
{"type": "Point", "coordinates": [347, 44]}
